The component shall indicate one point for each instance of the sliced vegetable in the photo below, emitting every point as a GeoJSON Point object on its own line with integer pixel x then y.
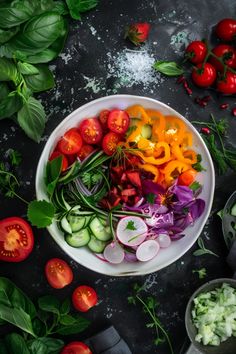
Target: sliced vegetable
{"type": "Point", "coordinates": [147, 250]}
{"type": "Point", "coordinates": [71, 142]}
{"type": "Point", "coordinates": [131, 230]}
{"type": "Point", "coordinates": [118, 121]}
{"type": "Point", "coordinates": [84, 297]}
{"type": "Point", "coordinates": [95, 245]}
{"type": "Point", "coordinates": [187, 177]}
{"type": "Point", "coordinates": [79, 238]}
{"type": "Point", "coordinates": [58, 273]}
{"type": "Point", "coordinates": [99, 230]}
{"type": "Point", "coordinates": [114, 253]}
{"type": "Point", "coordinates": [109, 143]}
{"type": "Point", "coordinates": [91, 130]}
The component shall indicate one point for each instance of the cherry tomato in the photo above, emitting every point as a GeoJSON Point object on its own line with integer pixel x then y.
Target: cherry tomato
{"type": "Point", "coordinates": [196, 52]}
{"type": "Point", "coordinates": [227, 85]}
{"type": "Point", "coordinates": [58, 273]}
{"type": "Point", "coordinates": [118, 121]}
{"type": "Point", "coordinates": [85, 151]}
{"type": "Point", "coordinates": [187, 177]}
{"type": "Point", "coordinates": [204, 77]}
{"type": "Point", "coordinates": [16, 239]}
{"type": "Point", "coordinates": [103, 116]}
{"type": "Point", "coordinates": [91, 130]}
{"type": "Point", "coordinates": [109, 143]}
{"type": "Point", "coordinates": [76, 348]}
{"type": "Point", "coordinates": [226, 53]}
{"type": "Point", "coordinates": [71, 142]}
{"type": "Point", "coordinates": [84, 297]}
{"type": "Point", "coordinates": [56, 154]}
{"type": "Point", "coordinates": [226, 29]}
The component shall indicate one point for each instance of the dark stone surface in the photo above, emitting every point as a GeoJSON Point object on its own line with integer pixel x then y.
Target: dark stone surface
{"type": "Point", "coordinates": [94, 49]}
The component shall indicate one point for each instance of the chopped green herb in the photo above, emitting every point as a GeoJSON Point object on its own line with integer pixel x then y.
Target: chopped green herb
{"type": "Point", "coordinates": [195, 186]}
{"type": "Point", "coordinates": [201, 272]}
{"type": "Point", "coordinates": [151, 198]}
{"type": "Point", "coordinates": [198, 166]}
{"type": "Point", "coordinates": [130, 225]}
{"type": "Point", "coordinates": [15, 157]}
{"type": "Point", "coordinates": [202, 249]}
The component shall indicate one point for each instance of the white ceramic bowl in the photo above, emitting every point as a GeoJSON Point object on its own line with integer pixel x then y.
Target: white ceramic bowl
{"type": "Point", "coordinates": [165, 256]}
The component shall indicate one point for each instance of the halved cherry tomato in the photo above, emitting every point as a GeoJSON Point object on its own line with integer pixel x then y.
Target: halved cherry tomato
{"type": "Point", "coordinates": [71, 142]}
{"type": "Point", "coordinates": [118, 121]}
{"type": "Point", "coordinates": [58, 273]}
{"type": "Point", "coordinates": [16, 239]}
{"type": "Point", "coordinates": [56, 154]}
{"type": "Point", "coordinates": [226, 53]}
{"type": "Point", "coordinates": [85, 151]}
{"type": "Point", "coordinates": [91, 130]}
{"type": "Point", "coordinates": [109, 143]}
{"type": "Point", "coordinates": [84, 297]}
{"type": "Point", "coordinates": [76, 348]}
{"type": "Point", "coordinates": [103, 117]}
{"type": "Point", "coordinates": [226, 29]}
{"type": "Point", "coordinates": [204, 76]}
{"type": "Point", "coordinates": [187, 177]}
{"type": "Point", "coordinates": [227, 85]}
{"type": "Point", "coordinates": [196, 52]}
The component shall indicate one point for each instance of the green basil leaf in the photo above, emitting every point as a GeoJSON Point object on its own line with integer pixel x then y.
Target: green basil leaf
{"type": "Point", "coordinates": [65, 307]}
{"type": "Point", "coordinates": [3, 347]}
{"type": "Point", "coordinates": [8, 71]}
{"type": "Point", "coordinates": [16, 344]}
{"type": "Point", "coordinates": [80, 325]}
{"type": "Point", "coordinates": [76, 7]}
{"type": "Point", "coordinates": [49, 303]}
{"type": "Point", "coordinates": [10, 105]}
{"type": "Point", "coordinates": [38, 327]}
{"type": "Point", "coordinates": [5, 35]}
{"type": "Point", "coordinates": [42, 81]}
{"type": "Point", "coordinates": [12, 296]}
{"type": "Point", "coordinates": [19, 11]}
{"type": "Point", "coordinates": [60, 8]}
{"type": "Point", "coordinates": [31, 118]}
{"type": "Point", "coordinates": [67, 320]}
{"type": "Point", "coordinates": [53, 171]}
{"type": "Point", "coordinates": [38, 34]}
{"type": "Point", "coordinates": [38, 347]}
{"type": "Point", "coordinates": [18, 317]}
{"type": "Point", "coordinates": [27, 69]}
{"type": "Point", "coordinates": [52, 345]}
{"type": "Point", "coordinates": [4, 90]}
{"type": "Point", "coordinates": [168, 68]}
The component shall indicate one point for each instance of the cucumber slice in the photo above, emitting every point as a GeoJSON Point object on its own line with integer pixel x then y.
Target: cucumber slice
{"type": "Point", "coordinates": [76, 222]}
{"type": "Point", "coordinates": [65, 225]}
{"type": "Point", "coordinates": [87, 220]}
{"type": "Point", "coordinates": [96, 245]}
{"type": "Point", "coordinates": [78, 239]}
{"type": "Point", "coordinates": [233, 210]}
{"type": "Point", "coordinates": [99, 230]}
{"type": "Point", "coordinates": [146, 131]}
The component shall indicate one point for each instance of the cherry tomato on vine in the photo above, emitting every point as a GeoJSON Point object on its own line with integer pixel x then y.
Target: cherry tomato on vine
{"type": "Point", "coordinates": [187, 177]}
{"type": "Point", "coordinates": [226, 29]}
{"type": "Point", "coordinates": [226, 53]}
{"type": "Point", "coordinates": [56, 154]}
{"type": "Point", "coordinates": [58, 273]}
{"type": "Point", "coordinates": [196, 52]}
{"type": "Point", "coordinates": [227, 85]}
{"type": "Point", "coordinates": [91, 130]}
{"type": "Point", "coordinates": [109, 143]}
{"type": "Point", "coordinates": [76, 348]}
{"type": "Point", "coordinates": [84, 297]}
{"type": "Point", "coordinates": [118, 121]}
{"type": "Point", "coordinates": [16, 239]}
{"type": "Point", "coordinates": [204, 76]}
{"type": "Point", "coordinates": [71, 142]}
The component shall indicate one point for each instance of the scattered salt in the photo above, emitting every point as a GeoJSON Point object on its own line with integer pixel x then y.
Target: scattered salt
{"type": "Point", "coordinates": [93, 30]}
{"type": "Point", "coordinates": [65, 57]}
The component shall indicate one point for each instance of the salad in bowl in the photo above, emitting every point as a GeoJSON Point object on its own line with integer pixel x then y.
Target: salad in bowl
{"type": "Point", "coordinates": [134, 188]}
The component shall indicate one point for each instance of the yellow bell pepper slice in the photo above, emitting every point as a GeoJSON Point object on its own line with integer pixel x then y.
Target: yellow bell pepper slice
{"type": "Point", "coordinates": [187, 156]}
{"type": "Point", "coordinates": [159, 160]}
{"type": "Point", "coordinates": [174, 130]}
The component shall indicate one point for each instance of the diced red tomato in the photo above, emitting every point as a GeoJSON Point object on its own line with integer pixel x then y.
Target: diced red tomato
{"type": "Point", "coordinates": [56, 154]}
{"type": "Point", "coordinates": [85, 151]}
{"type": "Point", "coordinates": [134, 178]}
{"type": "Point", "coordinates": [103, 117]}
{"type": "Point", "coordinates": [76, 348]}
{"type": "Point", "coordinates": [58, 273]}
{"type": "Point", "coordinates": [16, 239]}
{"type": "Point", "coordinates": [187, 177]}
{"type": "Point", "coordinates": [84, 297]}
{"type": "Point", "coordinates": [118, 121]}
{"type": "Point", "coordinates": [71, 142]}
{"type": "Point", "coordinates": [109, 143]}
{"type": "Point", "coordinates": [91, 130]}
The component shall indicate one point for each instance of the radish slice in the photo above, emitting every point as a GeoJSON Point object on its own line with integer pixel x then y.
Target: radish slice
{"type": "Point", "coordinates": [113, 253]}
{"type": "Point", "coordinates": [147, 250]}
{"type": "Point", "coordinates": [164, 240]}
{"type": "Point", "coordinates": [131, 230]}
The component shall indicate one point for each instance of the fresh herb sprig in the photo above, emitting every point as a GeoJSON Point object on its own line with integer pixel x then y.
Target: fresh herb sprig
{"type": "Point", "coordinates": [202, 249]}
{"type": "Point", "coordinates": [149, 306]}
{"type": "Point", "coordinates": [201, 272]}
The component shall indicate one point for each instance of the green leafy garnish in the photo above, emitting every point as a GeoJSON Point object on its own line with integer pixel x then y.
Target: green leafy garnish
{"type": "Point", "coordinates": [130, 225]}
{"type": "Point", "coordinates": [151, 198]}
{"type": "Point", "coordinates": [76, 7]}
{"type": "Point", "coordinates": [41, 213]}
{"type": "Point", "coordinates": [202, 249]}
{"type": "Point", "coordinates": [201, 272]}
{"type": "Point", "coordinates": [198, 166]}
{"type": "Point", "coordinates": [168, 68]}
{"type": "Point", "coordinates": [15, 157]}
{"type": "Point", "coordinates": [195, 186]}
{"type": "Point", "coordinates": [91, 178]}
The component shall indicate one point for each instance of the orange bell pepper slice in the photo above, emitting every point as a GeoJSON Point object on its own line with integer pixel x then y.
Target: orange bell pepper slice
{"type": "Point", "coordinates": [158, 123]}
{"type": "Point", "coordinates": [173, 169]}
{"type": "Point", "coordinates": [174, 130]}
{"type": "Point", "coordinates": [187, 139]}
{"type": "Point", "coordinates": [139, 112]}
{"type": "Point", "coordinates": [150, 168]}
{"type": "Point", "coordinates": [160, 160]}
{"type": "Point", "coordinates": [187, 156]}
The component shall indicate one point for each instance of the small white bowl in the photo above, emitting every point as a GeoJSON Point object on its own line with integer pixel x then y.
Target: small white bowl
{"type": "Point", "coordinates": [166, 256]}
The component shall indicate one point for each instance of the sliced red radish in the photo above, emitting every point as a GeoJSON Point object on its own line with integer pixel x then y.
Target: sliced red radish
{"type": "Point", "coordinates": [131, 230]}
{"type": "Point", "coordinates": [113, 253]}
{"type": "Point", "coordinates": [147, 250]}
{"type": "Point", "coordinates": [164, 240]}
